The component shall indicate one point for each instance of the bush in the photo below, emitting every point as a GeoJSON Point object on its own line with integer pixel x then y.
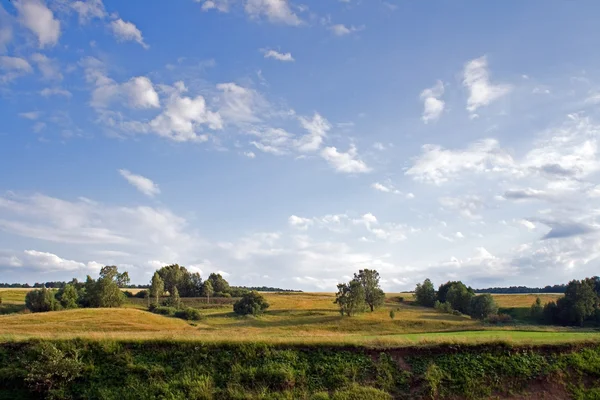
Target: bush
{"type": "Point", "coordinates": [443, 307]}
{"type": "Point", "coordinates": [482, 306]}
{"type": "Point", "coordinates": [250, 303]}
{"type": "Point", "coordinates": [497, 319]}
{"type": "Point", "coordinates": [392, 314]}
{"type": "Point", "coordinates": [189, 314]}
{"type": "Point", "coordinates": [168, 311]}
{"type": "Point", "coordinates": [457, 313]}
{"type": "Point", "coordinates": [142, 294]}
{"type": "Point", "coordinates": [128, 294]}
{"type": "Point", "coordinates": [425, 294]}
{"type": "Point", "coordinates": [41, 300]}
{"type": "Point", "coordinates": [361, 393]}
{"type": "Point", "coordinates": [400, 299]}
{"type": "Point", "coordinates": [52, 370]}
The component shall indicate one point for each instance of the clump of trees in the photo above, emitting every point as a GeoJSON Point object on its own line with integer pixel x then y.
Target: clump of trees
{"type": "Point", "coordinates": [100, 293]}
{"type": "Point", "coordinates": [361, 293]}
{"type": "Point", "coordinates": [251, 303]}
{"type": "Point", "coordinates": [456, 298]}
{"type": "Point", "coordinates": [579, 305]}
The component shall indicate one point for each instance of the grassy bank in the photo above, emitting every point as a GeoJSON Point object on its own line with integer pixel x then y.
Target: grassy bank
{"type": "Point", "coordinates": [85, 369]}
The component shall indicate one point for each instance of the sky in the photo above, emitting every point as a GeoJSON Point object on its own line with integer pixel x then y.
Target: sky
{"type": "Point", "coordinates": [290, 144]}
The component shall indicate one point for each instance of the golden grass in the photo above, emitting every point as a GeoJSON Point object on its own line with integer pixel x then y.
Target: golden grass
{"type": "Point", "coordinates": [523, 300]}
{"type": "Point", "coordinates": [292, 318]}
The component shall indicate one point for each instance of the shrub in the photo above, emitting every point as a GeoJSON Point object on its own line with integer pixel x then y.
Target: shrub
{"type": "Point", "coordinates": [425, 294]}
{"type": "Point", "coordinates": [498, 319]}
{"type": "Point", "coordinates": [392, 314]}
{"type": "Point", "coordinates": [142, 294]}
{"type": "Point", "coordinates": [361, 393]}
{"type": "Point", "coordinates": [457, 313]}
{"type": "Point", "coordinates": [41, 300]}
{"type": "Point", "coordinates": [168, 311]}
{"type": "Point", "coordinates": [52, 370]}
{"type": "Point", "coordinates": [68, 296]}
{"type": "Point", "coordinates": [443, 307]}
{"type": "Point", "coordinates": [482, 306]}
{"type": "Point", "coordinates": [128, 294]}
{"type": "Point", "coordinates": [189, 314]}
{"type": "Point", "coordinates": [400, 299]}
{"type": "Point", "coordinates": [537, 310]}
{"type": "Point", "coordinates": [250, 303]}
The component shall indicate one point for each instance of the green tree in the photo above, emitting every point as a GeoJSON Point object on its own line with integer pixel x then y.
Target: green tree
{"type": "Point", "coordinates": [207, 290]}
{"type": "Point", "coordinates": [250, 303]}
{"type": "Point", "coordinates": [425, 294]}
{"type": "Point", "coordinates": [174, 299]}
{"type": "Point", "coordinates": [219, 284]}
{"type": "Point", "coordinates": [104, 292]}
{"type": "Point", "coordinates": [579, 302]}
{"type": "Point", "coordinates": [459, 296]}
{"type": "Point", "coordinates": [68, 296]}
{"type": "Point", "coordinates": [41, 300]}
{"type": "Point", "coordinates": [482, 306]}
{"type": "Point", "coordinates": [350, 298]}
{"type": "Point", "coordinates": [537, 310]}
{"type": "Point", "coordinates": [369, 279]}
{"type": "Point", "coordinates": [157, 287]}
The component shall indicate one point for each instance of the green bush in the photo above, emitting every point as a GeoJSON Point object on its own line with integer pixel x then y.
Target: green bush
{"type": "Point", "coordinates": [361, 393]}
{"type": "Point", "coordinates": [142, 294]}
{"type": "Point", "coordinates": [41, 300]}
{"type": "Point", "coordinates": [162, 310]}
{"type": "Point", "coordinates": [189, 314]}
{"type": "Point", "coordinates": [251, 303]}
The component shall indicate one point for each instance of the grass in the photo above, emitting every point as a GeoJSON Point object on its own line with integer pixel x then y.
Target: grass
{"type": "Point", "coordinates": [291, 318]}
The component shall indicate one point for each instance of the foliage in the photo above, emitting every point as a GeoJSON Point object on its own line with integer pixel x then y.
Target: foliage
{"type": "Point", "coordinates": [207, 290]}
{"type": "Point", "coordinates": [443, 307]}
{"type": "Point", "coordinates": [369, 279]}
{"type": "Point", "coordinates": [41, 300]}
{"type": "Point", "coordinates": [580, 303]}
{"type": "Point", "coordinates": [68, 296]}
{"type": "Point", "coordinates": [350, 298]}
{"type": "Point", "coordinates": [425, 294]}
{"type": "Point", "coordinates": [189, 284]}
{"type": "Point", "coordinates": [482, 306]}
{"type": "Point", "coordinates": [189, 314]}
{"type": "Point", "coordinates": [498, 319]}
{"type": "Point", "coordinates": [459, 296]}
{"type": "Point", "coordinates": [219, 284]}
{"type": "Point", "coordinates": [163, 310]}
{"type": "Point", "coordinates": [104, 292]}
{"type": "Point", "coordinates": [252, 303]}
{"type": "Point", "coordinates": [157, 287]}
{"type": "Point", "coordinates": [174, 300]}
{"type": "Point", "coordinates": [392, 314]}
{"type": "Point", "coordinates": [537, 310]}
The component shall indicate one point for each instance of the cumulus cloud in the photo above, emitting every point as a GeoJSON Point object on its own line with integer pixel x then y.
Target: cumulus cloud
{"type": "Point", "coordinates": [47, 92]}
{"type": "Point", "coordinates": [272, 140]}
{"type": "Point", "coordinates": [286, 57]}
{"type": "Point", "coordinates": [88, 10]}
{"type": "Point", "coordinates": [276, 11]}
{"type": "Point", "coordinates": [141, 183]}
{"type": "Point", "coordinates": [219, 5]}
{"type": "Point", "coordinates": [49, 262]}
{"type": "Point", "coordinates": [48, 67]}
{"type": "Point", "coordinates": [345, 162]}
{"type": "Point", "coordinates": [482, 92]}
{"type": "Point", "coordinates": [343, 30]}
{"type": "Point", "coordinates": [6, 29]}
{"type": "Point", "coordinates": [39, 19]}
{"type": "Point", "coordinates": [127, 31]}
{"type": "Point", "coordinates": [433, 106]}
{"type": "Point", "coordinates": [467, 206]}
{"type": "Point", "coordinates": [13, 67]}
{"type": "Point", "coordinates": [240, 105]}
{"type": "Point", "coordinates": [438, 165]}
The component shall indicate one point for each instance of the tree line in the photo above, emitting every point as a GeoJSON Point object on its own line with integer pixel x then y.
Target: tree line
{"type": "Point", "coordinates": [524, 289]}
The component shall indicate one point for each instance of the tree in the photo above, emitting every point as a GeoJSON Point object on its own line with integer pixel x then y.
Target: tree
{"type": "Point", "coordinates": [41, 300]}
{"type": "Point", "coordinates": [174, 299]}
{"type": "Point", "coordinates": [157, 287]}
{"type": "Point", "coordinates": [459, 296]}
{"type": "Point", "coordinates": [425, 294]}
{"type": "Point", "coordinates": [350, 298]}
{"type": "Point", "coordinates": [579, 302]}
{"type": "Point", "coordinates": [68, 296]}
{"type": "Point", "coordinates": [219, 284]}
{"type": "Point", "coordinates": [207, 290]}
{"type": "Point", "coordinates": [369, 279]}
{"type": "Point", "coordinates": [482, 306]}
{"type": "Point", "coordinates": [250, 303]}
{"type": "Point", "coordinates": [537, 310]}
{"type": "Point", "coordinates": [104, 292]}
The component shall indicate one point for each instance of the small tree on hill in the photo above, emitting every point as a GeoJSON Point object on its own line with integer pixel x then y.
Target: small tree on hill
{"type": "Point", "coordinates": [425, 294]}
{"type": "Point", "coordinates": [68, 296]}
{"type": "Point", "coordinates": [41, 300]}
{"type": "Point", "coordinates": [251, 303]}
{"type": "Point", "coordinates": [537, 310]}
{"type": "Point", "coordinates": [174, 299]}
{"type": "Point", "coordinates": [483, 306]}
{"type": "Point", "coordinates": [157, 287]}
{"type": "Point", "coordinates": [350, 298]}
{"type": "Point", "coordinates": [459, 296]}
{"type": "Point", "coordinates": [219, 284]}
{"type": "Point", "coordinates": [369, 279]}
{"type": "Point", "coordinates": [207, 290]}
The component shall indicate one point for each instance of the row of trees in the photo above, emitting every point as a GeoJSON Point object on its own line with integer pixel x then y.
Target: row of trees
{"type": "Point", "coordinates": [102, 292]}
{"type": "Point", "coordinates": [361, 293]}
{"type": "Point", "coordinates": [524, 289]}
{"type": "Point", "coordinates": [579, 305]}
{"type": "Point", "coordinates": [455, 296]}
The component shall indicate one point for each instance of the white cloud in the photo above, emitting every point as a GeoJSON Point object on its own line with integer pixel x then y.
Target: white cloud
{"type": "Point", "coordinates": [299, 222]}
{"type": "Point", "coordinates": [345, 162]}
{"type": "Point", "coordinates": [49, 262]}
{"type": "Point", "coordinates": [127, 31]}
{"type": "Point", "coordinates": [467, 206]}
{"type": "Point", "coordinates": [481, 91]}
{"type": "Point", "coordinates": [88, 10]}
{"type": "Point", "coordinates": [249, 154]}
{"type": "Point", "coordinates": [32, 115]}
{"type": "Point", "coordinates": [48, 67]}
{"type": "Point", "coordinates": [6, 29]}
{"type": "Point", "coordinates": [381, 187]}
{"type": "Point", "coordinates": [13, 68]}
{"type": "Point", "coordinates": [141, 93]}
{"type": "Point", "coordinates": [459, 235]}
{"type": "Point", "coordinates": [527, 224]}
{"type": "Point", "coordinates": [273, 141]}
{"type": "Point", "coordinates": [240, 105]}
{"type": "Point", "coordinates": [379, 146]}
{"type": "Point", "coordinates": [343, 30]}
{"type": "Point", "coordinates": [39, 19]}
{"type": "Point", "coordinates": [276, 11]}
{"type": "Point", "coordinates": [317, 128]}
{"type": "Point", "coordinates": [219, 5]}
{"type": "Point", "coordinates": [438, 165]}
{"type": "Point", "coordinates": [432, 105]}
{"type": "Point", "coordinates": [278, 56]}
{"type": "Point", "coordinates": [141, 183]}
{"type": "Point", "coordinates": [47, 92]}
{"type": "Point", "coordinates": [183, 117]}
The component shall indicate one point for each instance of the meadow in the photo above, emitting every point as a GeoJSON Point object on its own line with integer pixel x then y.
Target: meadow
{"type": "Point", "coordinates": [291, 318]}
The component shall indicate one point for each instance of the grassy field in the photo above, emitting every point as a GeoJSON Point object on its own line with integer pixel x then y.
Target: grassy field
{"type": "Point", "coordinates": [292, 318]}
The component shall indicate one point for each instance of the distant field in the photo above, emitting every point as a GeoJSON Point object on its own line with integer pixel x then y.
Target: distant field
{"type": "Point", "coordinates": [292, 318]}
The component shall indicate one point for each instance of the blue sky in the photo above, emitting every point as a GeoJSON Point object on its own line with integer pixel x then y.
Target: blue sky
{"type": "Point", "coordinates": [290, 144]}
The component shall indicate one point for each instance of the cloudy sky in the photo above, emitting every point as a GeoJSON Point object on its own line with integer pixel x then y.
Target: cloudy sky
{"type": "Point", "coordinates": [289, 143]}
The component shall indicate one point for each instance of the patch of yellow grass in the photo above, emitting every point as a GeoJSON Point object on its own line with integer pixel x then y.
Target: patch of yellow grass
{"type": "Point", "coordinates": [523, 300]}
